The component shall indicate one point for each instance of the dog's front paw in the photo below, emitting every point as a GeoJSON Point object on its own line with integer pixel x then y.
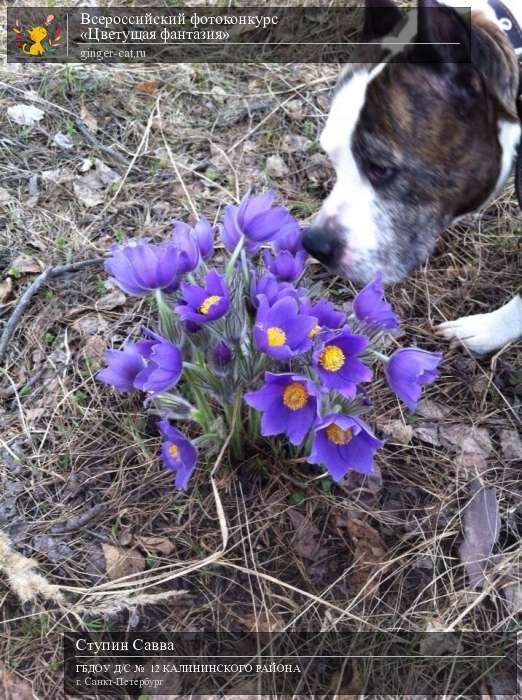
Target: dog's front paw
{"type": "Point", "coordinates": [479, 333]}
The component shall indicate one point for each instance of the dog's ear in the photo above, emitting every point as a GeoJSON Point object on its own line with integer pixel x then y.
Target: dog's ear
{"type": "Point", "coordinates": [380, 19]}
{"type": "Point", "coordinates": [478, 58]}
{"type": "Point", "coordinates": [494, 58]}
{"type": "Point", "coordinates": [444, 33]}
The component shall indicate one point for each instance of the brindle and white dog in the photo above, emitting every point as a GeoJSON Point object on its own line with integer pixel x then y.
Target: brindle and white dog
{"type": "Point", "coordinates": [417, 145]}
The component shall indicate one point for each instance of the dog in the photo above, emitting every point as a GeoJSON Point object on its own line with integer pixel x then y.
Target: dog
{"type": "Point", "coordinates": [417, 144]}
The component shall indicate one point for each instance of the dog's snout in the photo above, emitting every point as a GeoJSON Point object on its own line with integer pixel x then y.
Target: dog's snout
{"type": "Point", "coordinates": [321, 243]}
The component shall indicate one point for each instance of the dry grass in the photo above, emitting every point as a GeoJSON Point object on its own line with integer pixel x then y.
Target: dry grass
{"type": "Point", "coordinates": [265, 545]}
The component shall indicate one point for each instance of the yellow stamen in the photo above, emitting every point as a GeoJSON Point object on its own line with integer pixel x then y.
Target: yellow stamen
{"type": "Point", "coordinates": [295, 396]}
{"type": "Point", "coordinates": [276, 336]}
{"type": "Point", "coordinates": [315, 330]}
{"type": "Point", "coordinates": [331, 358]}
{"type": "Point", "coordinates": [208, 304]}
{"type": "Point", "coordinates": [338, 435]}
{"type": "Point", "coordinates": [174, 451]}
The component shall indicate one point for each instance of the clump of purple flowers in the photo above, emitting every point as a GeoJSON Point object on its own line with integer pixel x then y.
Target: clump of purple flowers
{"type": "Point", "coordinates": [222, 330]}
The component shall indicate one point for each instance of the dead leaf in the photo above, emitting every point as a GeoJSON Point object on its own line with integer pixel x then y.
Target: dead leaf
{"type": "Point", "coordinates": [276, 167]}
{"type": "Point", "coordinates": [88, 119]}
{"type": "Point", "coordinates": [265, 621]}
{"type": "Point", "coordinates": [86, 194]}
{"type": "Point", "coordinates": [6, 289]}
{"type": "Point", "coordinates": [149, 87]}
{"type": "Point", "coordinates": [25, 115]}
{"type": "Point", "coordinates": [513, 591]}
{"type": "Point", "coordinates": [5, 196]}
{"type": "Point", "coordinates": [295, 109]}
{"type": "Point", "coordinates": [13, 686]}
{"type": "Point", "coordinates": [473, 445]}
{"type": "Point", "coordinates": [156, 544]}
{"type": "Point", "coordinates": [90, 187]}
{"type": "Point", "coordinates": [57, 176]}
{"type": "Point", "coordinates": [305, 542]}
{"type": "Point", "coordinates": [63, 141]}
{"type": "Point", "coordinates": [398, 431]}
{"type": "Point", "coordinates": [107, 175]}
{"type": "Point", "coordinates": [26, 265]}
{"type": "Point", "coordinates": [432, 410]}
{"type": "Point", "coordinates": [438, 642]}
{"type": "Point", "coordinates": [121, 562]}
{"type": "Point", "coordinates": [369, 554]}
{"type": "Point", "coordinates": [510, 443]}
{"type": "Point", "coordinates": [294, 143]}
{"type": "Point", "coordinates": [356, 685]}
{"type": "Point", "coordinates": [481, 522]}
{"type": "Point", "coordinates": [111, 301]}
{"type": "Point", "coordinates": [88, 324]}
{"type": "Point", "coordinates": [429, 433]}
{"type": "Point", "coordinates": [94, 348]}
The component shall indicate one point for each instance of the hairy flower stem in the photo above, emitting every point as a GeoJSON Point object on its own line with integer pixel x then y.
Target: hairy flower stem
{"type": "Point", "coordinates": [380, 355]}
{"type": "Point", "coordinates": [233, 258]}
{"type": "Point", "coordinates": [205, 414]}
{"type": "Point", "coordinates": [167, 327]}
{"type": "Point", "coordinates": [244, 265]}
{"type": "Point", "coordinates": [233, 415]}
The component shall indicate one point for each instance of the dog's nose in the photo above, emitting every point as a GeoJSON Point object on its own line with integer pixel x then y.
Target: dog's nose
{"type": "Point", "coordinates": [320, 243]}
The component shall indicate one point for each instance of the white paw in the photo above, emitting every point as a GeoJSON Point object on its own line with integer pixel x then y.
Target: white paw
{"type": "Point", "coordinates": [483, 333]}
{"type": "Point", "coordinates": [478, 333]}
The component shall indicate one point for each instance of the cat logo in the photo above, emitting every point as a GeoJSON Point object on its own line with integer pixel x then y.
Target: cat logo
{"type": "Point", "coordinates": [37, 41]}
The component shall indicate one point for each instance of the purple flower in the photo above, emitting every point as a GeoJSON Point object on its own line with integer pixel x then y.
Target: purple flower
{"type": "Point", "coordinates": [408, 370]}
{"type": "Point", "coordinates": [336, 362]}
{"type": "Point", "coordinates": [122, 367]}
{"type": "Point", "coordinates": [370, 306]}
{"type": "Point", "coordinates": [204, 233]}
{"type": "Point", "coordinates": [164, 366]}
{"type": "Point", "coordinates": [280, 330]}
{"type": "Point", "coordinates": [289, 238]}
{"type": "Point", "coordinates": [343, 442]}
{"type": "Point", "coordinates": [222, 354]}
{"type": "Point", "coordinates": [204, 304]}
{"type": "Point", "coordinates": [256, 219]}
{"type": "Point", "coordinates": [289, 403]}
{"type": "Point", "coordinates": [271, 288]}
{"type": "Point", "coordinates": [178, 453]}
{"type": "Point", "coordinates": [325, 313]}
{"type": "Point", "coordinates": [285, 266]}
{"type": "Point", "coordinates": [186, 242]}
{"type": "Point", "coordinates": [140, 268]}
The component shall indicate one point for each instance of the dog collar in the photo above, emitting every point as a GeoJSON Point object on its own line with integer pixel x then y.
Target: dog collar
{"type": "Point", "coordinates": [509, 17]}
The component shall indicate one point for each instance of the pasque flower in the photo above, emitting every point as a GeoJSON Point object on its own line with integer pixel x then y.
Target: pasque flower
{"type": "Point", "coordinates": [336, 361]}
{"type": "Point", "coordinates": [325, 313]}
{"type": "Point", "coordinates": [203, 304]}
{"type": "Point", "coordinates": [256, 219]}
{"type": "Point", "coordinates": [123, 366]}
{"type": "Point", "coordinates": [271, 288]}
{"type": "Point", "coordinates": [281, 330]}
{"type": "Point", "coordinates": [178, 453]}
{"type": "Point", "coordinates": [186, 242]}
{"type": "Point", "coordinates": [289, 238]}
{"type": "Point", "coordinates": [193, 243]}
{"type": "Point", "coordinates": [140, 268]}
{"type": "Point", "coordinates": [343, 442]}
{"type": "Point", "coordinates": [286, 266]}
{"type": "Point", "coordinates": [204, 233]}
{"type": "Point", "coordinates": [408, 370]}
{"type": "Point", "coordinates": [289, 403]}
{"type": "Point", "coordinates": [370, 306]}
{"type": "Point", "coordinates": [221, 354]}
{"type": "Point", "coordinates": [164, 363]}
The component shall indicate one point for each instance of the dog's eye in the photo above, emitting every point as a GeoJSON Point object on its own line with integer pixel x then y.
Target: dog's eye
{"type": "Point", "coordinates": [380, 174]}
